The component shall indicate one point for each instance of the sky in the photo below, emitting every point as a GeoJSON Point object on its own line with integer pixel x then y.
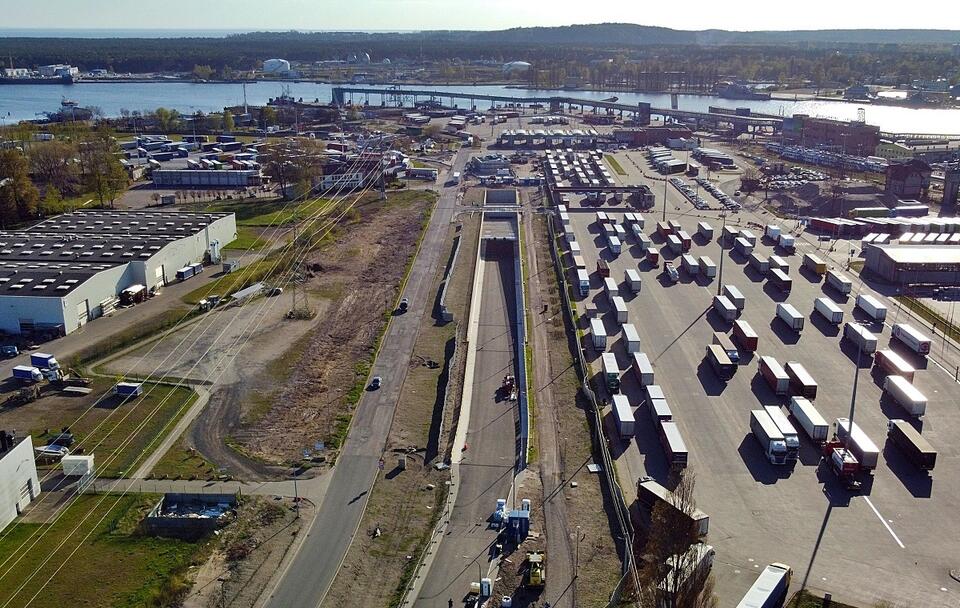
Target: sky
{"type": "Point", "coordinates": [398, 15]}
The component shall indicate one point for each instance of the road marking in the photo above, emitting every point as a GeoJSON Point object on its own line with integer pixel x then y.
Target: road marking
{"type": "Point", "coordinates": [884, 522]}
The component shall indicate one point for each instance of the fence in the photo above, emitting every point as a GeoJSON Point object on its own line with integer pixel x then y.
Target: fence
{"type": "Point", "coordinates": [596, 427]}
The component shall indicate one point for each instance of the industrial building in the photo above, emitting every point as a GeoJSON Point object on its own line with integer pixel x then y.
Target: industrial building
{"type": "Point", "coordinates": [908, 179]}
{"type": "Point", "coordinates": [549, 138]}
{"type": "Point", "coordinates": [856, 138]}
{"type": "Point", "coordinates": [648, 136]}
{"type": "Point", "coordinates": [205, 178]}
{"type": "Point", "coordinates": [19, 484]}
{"type": "Point", "coordinates": [914, 265]}
{"type": "Point", "coordinates": [489, 164]}
{"type": "Point", "coordinates": [70, 269]}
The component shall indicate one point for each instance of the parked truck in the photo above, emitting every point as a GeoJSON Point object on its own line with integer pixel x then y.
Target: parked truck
{"type": "Point", "coordinates": [632, 280]}
{"type": "Point", "coordinates": [723, 341]}
{"type": "Point", "coordinates": [917, 449]}
{"type": "Point", "coordinates": [611, 371]}
{"type": "Point", "coordinates": [720, 362]}
{"type": "Point", "coordinates": [603, 269]}
{"type": "Point", "coordinates": [689, 265]}
{"type": "Point", "coordinates": [631, 339]}
{"type": "Point", "coordinates": [828, 310]}
{"type": "Point", "coordinates": [749, 237]}
{"type": "Point", "coordinates": [642, 369]}
{"type": "Point", "coordinates": [44, 361]}
{"type": "Point", "coordinates": [583, 283]}
{"type": "Point", "coordinates": [623, 416]}
{"type": "Point", "coordinates": [759, 263]}
{"type": "Point", "coordinates": [787, 243]}
{"type": "Point", "coordinates": [909, 337]}
{"type": "Point", "coordinates": [890, 362]}
{"type": "Point", "coordinates": [769, 436]}
{"type": "Point", "coordinates": [620, 309]}
{"type": "Point", "coordinates": [801, 382]}
{"type": "Point", "coordinates": [27, 374]}
{"type": "Point", "coordinates": [653, 255]}
{"type": "Point", "coordinates": [650, 494]}
{"type": "Point", "coordinates": [790, 316]}
{"type": "Point", "coordinates": [905, 394]}
{"type": "Point", "coordinates": [860, 336]}
{"type": "Point", "coordinates": [814, 264]}
{"type": "Point", "coordinates": [774, 374]}
{"type": "Point", "coordinates": [872, 307]}
{"type": "Point", "coordinates": [128, 390]}
{"type": "Point", "coordinates": [772, 232]}
{"type": "Point", "coordinates": [770, 588]}
{"type": "Point", "coordinates": [675, 244]}
{"type": "Point", "coordinates": [674, 447]}
{"type": "Point", "coordinates": [729, 234]}
{"type": "Point", "coordinates": [733, 294]}
{"type": "Point", "coordinates": [779, 263]}
{"type": "Point", "coordinates": [613, 243]}
{"type": "Point", "coordinates": [744, 336]}
{"type": "Point", "coordinates": [611, 288]}
{"type": "Point", "coordinates": [839, 282]}
{"type": "Point", "coordinates": [725, 308]}
{"type": "Point", "coordinates": [743, 246]}
{"type": "Point", "coordinates": [790, 436]}
{"type": "Point", "coordinates": [810, 420]}
{"type": "Point", "coordinates": [855, 440]}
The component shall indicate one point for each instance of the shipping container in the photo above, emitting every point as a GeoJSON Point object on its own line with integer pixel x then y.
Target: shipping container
{"type": "Point", "coordinates": [579, 263]}
{"type": "Point", "coordinates": [611, 289]}
{"type": "Point", "coordinates": [128, 390]}
{"type": "Point", "coordinates": [772, 232]}
{"type": "Point", "coordinates": [790, 315]}
{"type": "Point", "coordinates": [185, 273]}
{"type": "Point", "coordinates": [673, 446]}
{"type": "Point", "coordinates": [859, 335]}
{"type": "Point", "coordinates": [743, 246]}
{"type": "Point", "coordinates": [733, 294]}
{"type": "Point", "coordinates": [729, 234]}
{"type": "Point", "coordinates": [642, 368]}
{"type": "Point", "coordinates": [653, 256]}
{"type": "Point", "coordinates": [839, 282]}
{"type": "Point", "coordinates": [599, 334]}
{"type": "Point", "coordinates": [774, 374]}
{"type": "Point", "coordinates": [689, 265]}
{"type": "Point", "coordinates": [810, 420]}
{"type": "Point", "coordinates": [779, 263]}
{"type": "Point", "coordinates": [675, 226]}
{"type": "Point", "coordinates": [707, 268]}
{"type": "Point", "coordinates": [917, 449]}
{"type": "Point", "coordinates": [614, 244]}
{"type": "Point", "coordinates": [855, 440]}
{"type": "Point", "coordinates": [675, 244]}
{"type": "Point", "coordinates": [720, 362]}
{"type": "Point", "coordinates": [631, 279]}
{"type": "Point", "coordinates": [814, 264]}
{"type": "Point", "coordinates": [583, 282]}
{"type": "Point", "coordinates": [663, 229]}
{"type": "Point", "coordinates": [575, 249]}
{"type": "Point", "coordinates": [705, 230]}
{"type": "Point", "coordinates": [749, 237]}
{"type": "Point", "coordinates": [905, 394]}
{"type": "Point", "coordinates": [619, 309]}
{"type": "Point", "coordinates": [890, 363]}
{"type": "Point", "coordinates": [725, 308]}
{"type": "Point", "coordinates": [744, 336]}
{"type": "Point", "coordinates": [787, 243]}
{"type": "Point", "coordinates": [780, 280]}
{"type": "Point", "coordinates": [872, 306]}
{"type": "Point", "coordinates": [623, 416]}
{"type": "Point", "coordinates": [828, 310]}
{"type": "Point", "coordinates": [611, 371]}
{"type": "Point", "coordinates": [911, 338]}
{"type": "Point", "coordinates": [603, 269]}
{"type": "Point", "coordinates": [601, 219]}
{"type": "Point", "coordinates": [685, 240]}
{"type": "Point", "coordinates": [801, 382]}
{"type": "Point", "coordinates": [759, 263]}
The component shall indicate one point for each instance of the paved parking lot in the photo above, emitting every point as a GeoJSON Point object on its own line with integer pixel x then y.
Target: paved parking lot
{"type": "Point", "coordinates": [895, 542]}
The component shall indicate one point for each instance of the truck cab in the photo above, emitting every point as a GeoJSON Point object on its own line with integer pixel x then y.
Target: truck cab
{"type": "Point", "coordinates": [672, 275]}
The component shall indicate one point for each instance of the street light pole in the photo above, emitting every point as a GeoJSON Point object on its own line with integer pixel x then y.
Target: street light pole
{"type": "Point", "coordinates": [664, 199]}
{"type": "Point", "coordinates": [720, 277]}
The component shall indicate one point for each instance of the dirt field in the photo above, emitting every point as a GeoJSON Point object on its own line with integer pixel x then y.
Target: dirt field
{"type": "Point", "coordinates": [376, 569]}
{"type": "Point", "coordinates": [247, 554]}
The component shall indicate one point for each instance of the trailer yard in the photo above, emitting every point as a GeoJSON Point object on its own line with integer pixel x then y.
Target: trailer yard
{"type": "Point", "coordinates": [889, 537]}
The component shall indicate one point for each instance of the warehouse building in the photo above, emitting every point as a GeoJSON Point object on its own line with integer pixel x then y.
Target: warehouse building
{"type": "Point", "coordinates": [205, 178]}
{"type": "Point", "coordinates": [70, 269]}
{"type": "Point", "coordinates": [19, 484]}
{"type": "Point", "coordinates": [914, 265]}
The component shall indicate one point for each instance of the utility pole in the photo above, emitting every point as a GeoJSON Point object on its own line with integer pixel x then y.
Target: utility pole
{"type": "Point", "coordinates": [664, 198]}
{"type": "Point", "coordinates": [299, 306]}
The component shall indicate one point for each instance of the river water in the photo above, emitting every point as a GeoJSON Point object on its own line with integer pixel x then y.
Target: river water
{"type": "Point", "coordinates": [26, 102]}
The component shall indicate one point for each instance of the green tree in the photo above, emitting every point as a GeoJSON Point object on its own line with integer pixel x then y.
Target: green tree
{"type": "Point", "coordinates": [228, 124]}
{"type": "Point", "coordinates": [105, 175]}
{"type": "Point", "coordinates": [18, 195]}
{"type": "Point", "coordinates": [202, 72]}
{"type": "Point", "coordinates": [54, 164]}
{"type": "Point", "coordinates": [167, 120]}
{"type": "Point", "coordinates": [268, 117]}
{"type": "Point", "coordinates": [52, 202]}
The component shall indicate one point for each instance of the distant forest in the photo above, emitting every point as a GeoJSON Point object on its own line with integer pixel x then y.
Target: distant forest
{"type": "Point", "coordinates": [820, 56]}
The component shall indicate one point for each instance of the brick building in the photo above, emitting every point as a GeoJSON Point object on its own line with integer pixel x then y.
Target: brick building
{"type": "Point", "coordinates": [855, 138]}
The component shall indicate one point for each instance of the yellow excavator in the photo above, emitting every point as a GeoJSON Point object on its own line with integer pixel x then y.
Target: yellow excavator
{"type": "Point", "coordinates": [536, 571]}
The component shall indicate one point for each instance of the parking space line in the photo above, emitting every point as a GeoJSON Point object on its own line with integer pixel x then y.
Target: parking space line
{"type": "Point", "coordinates": [884, 522]}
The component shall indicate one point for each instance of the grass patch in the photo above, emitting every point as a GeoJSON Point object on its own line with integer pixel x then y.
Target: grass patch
{"type": "Point", "coordinates": [805, 599]}
{"type": "Point", "coordinates": [182, 462]}
{"type": "Point", "coordinates": [130, 336]}
{"type": "Point", "coordinates": [247, 240]}
{"type": "Point", "coordinates": [930, 315]}
{"type": "Point", "coordinates": [114, 566]}
{"type": "Point", "coordinates": [614, 164]}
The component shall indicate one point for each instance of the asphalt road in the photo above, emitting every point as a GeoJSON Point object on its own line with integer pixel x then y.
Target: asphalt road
{"type": "Point", "coordinates": [486, 471]}
{"type": "Point", "coordinates": [312, 570]}
{"type": "Point", "coordinates": [887, 544]}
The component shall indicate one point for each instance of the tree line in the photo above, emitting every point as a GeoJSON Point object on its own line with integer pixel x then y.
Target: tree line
{"type": "Point", "coordinates": [37, 176]}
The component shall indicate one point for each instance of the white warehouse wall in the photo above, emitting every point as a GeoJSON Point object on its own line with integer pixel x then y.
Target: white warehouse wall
{"type": "Point", "coordinates": [17, 468]}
